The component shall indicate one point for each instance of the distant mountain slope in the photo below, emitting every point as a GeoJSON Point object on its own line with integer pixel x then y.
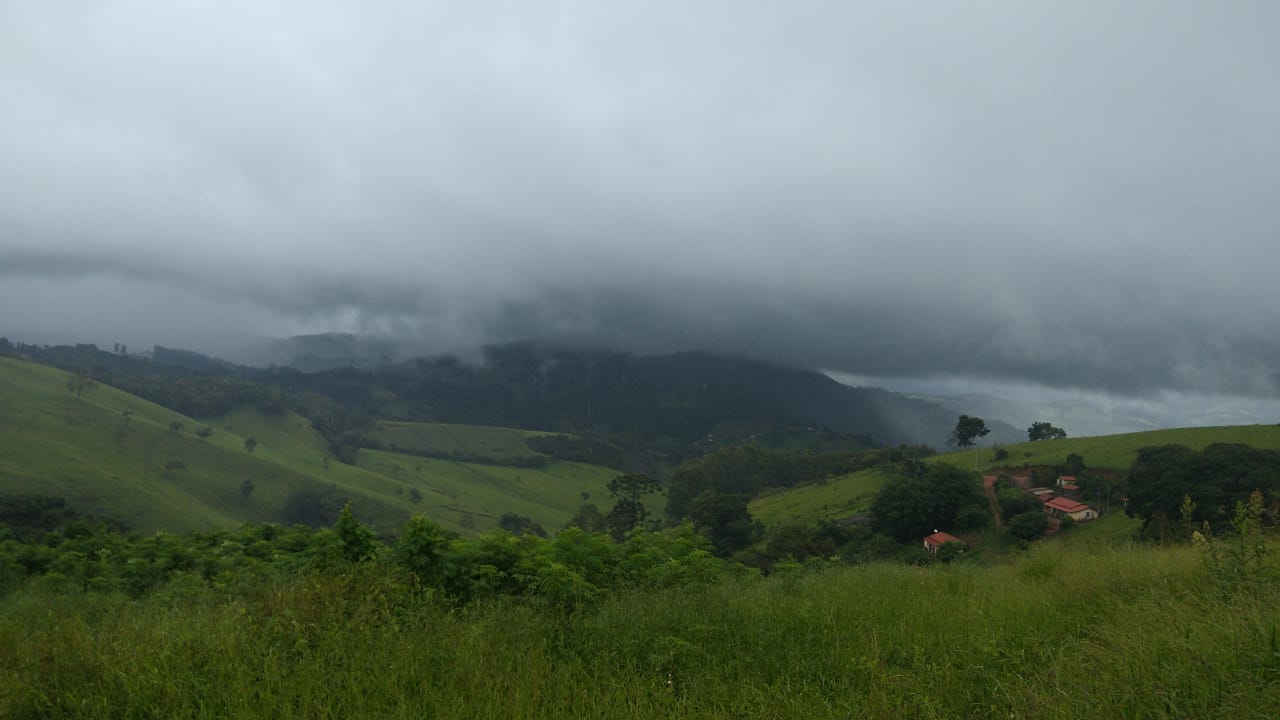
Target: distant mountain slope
{"type": "Point", "coordinates": [694, 399]}
{"type": "Point", "coordinates": [116, 455]}
{"type": "Point", "coordinates": [686, 396]}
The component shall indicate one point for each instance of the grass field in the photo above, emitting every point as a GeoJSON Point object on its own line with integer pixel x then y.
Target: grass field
{"type": "Point", "coordinates": [107, 452]}
{"type": "Point", "coordinates": [471, 498]}
{"type": "Point", "coordinates": [1113, 451]}
{"type": "Point", "coordinates": [497, 443]}
{"type": "Point", "coordinates": [1119, 633]}
{"type": "Point", "coordinates": [832, 499]}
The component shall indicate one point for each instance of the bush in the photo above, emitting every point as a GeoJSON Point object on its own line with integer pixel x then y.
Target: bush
{"type": "Point", "coordinates": [1028, 525]}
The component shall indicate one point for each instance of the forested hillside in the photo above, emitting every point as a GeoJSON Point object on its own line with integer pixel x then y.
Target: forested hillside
{"type": "Point", "coordinates": [677, 406]}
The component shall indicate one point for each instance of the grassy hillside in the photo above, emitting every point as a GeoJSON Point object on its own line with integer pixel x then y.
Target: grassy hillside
{"type": "Point", "coordinates": [496, 443]}
{"type": "Point", "coordinates": [839, 497]}
{"type": "Point", "coordinates": [852, 494]}
{"type": "Point", "coordinates": [1114, 451]}
{"type": "Point", "coordinates": [114, 454]}
{"type": "Point", "coordinates": [469, 497]}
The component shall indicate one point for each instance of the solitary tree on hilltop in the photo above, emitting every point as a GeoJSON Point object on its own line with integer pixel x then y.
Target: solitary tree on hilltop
{"type": "Point", "coordinates": [1045, 431]}
{"type": "Point", "coordinates": [250, 444]}
{"type": "Point", "coordinates": [968, 430]}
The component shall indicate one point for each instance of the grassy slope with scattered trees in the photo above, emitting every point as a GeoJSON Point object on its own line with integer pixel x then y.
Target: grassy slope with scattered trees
{"type": "Point", "coordinates": [1112, 451]}
{"type": "Point", "coordinates": [829, 499]}
{"type": "Point", "coordinates": [114, 454]}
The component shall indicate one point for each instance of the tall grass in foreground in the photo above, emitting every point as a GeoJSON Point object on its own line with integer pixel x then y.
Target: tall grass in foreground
{"type": "Point", "coordinates": [1096, 632]}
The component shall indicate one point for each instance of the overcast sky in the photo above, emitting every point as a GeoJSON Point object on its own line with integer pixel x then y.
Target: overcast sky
{"type": "Point", "coordinates": [1071, 195]}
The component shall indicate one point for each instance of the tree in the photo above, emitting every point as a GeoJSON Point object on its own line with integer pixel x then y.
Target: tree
{"type": "Point", "coordinates": [629, 511]}
{"type": "Point", "coordinates": [204, 432]}
{"type": "Point", "coordinates": [358, 542]}
{"type": "Point", "coordinates": [80, 382]}
{"type": "Point", "coordinates": [1215, 479]}
{"type": "Point", "coordinates": [1045, 431]}
{"type": "Point", "coordinates": [1073, 465]}
{"type": "Point", "coordinates": [421, 549]}
{"type": "Point", "coordinates": [311, 506]}
{"type": "Point", "coordinates": [909, 508]}
{"type": "Point", "coordinates": [246, 488]}
{"type": "Point", "coordinates": [1028, 525]}
{"type": "Point", "coordinates": [250, 444]}
{"type": "Point", "coordinates": [968, 430]}
{"type": "Point", "coordinates": [723, 519]}
{"type": "Point", "coordinates": [518, 524]}
{"type": "Point", "coordinates": [588, 518]}
{"type": "Point", "coordinates": [176, 427]}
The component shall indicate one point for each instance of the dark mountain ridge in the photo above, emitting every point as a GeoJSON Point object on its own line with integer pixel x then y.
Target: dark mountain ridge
{"type": "Point", "coordinates": [688, 397]}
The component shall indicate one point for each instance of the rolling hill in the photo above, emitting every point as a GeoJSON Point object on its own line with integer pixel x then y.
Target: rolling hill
{"type": "Point", "coordinates": [689, 397]}
{"type": "Point", "coordinates": [1114, 452]}
{"type": "Point", "coordinates": [114, 454]}
{"type": "Point", "coordinates": [846, 496]}
{"type": "Point", "coordinates": [832, 499]}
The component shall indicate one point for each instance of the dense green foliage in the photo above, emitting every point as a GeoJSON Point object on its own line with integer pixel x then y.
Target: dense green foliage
{"type": "Point", "coordinates": [747, 469]}
{"type": "Point", "coordinates": [1215, 479]}
{"type": "Point", "coordinates": [914, 506]}
{"type": "Point", "coordinates": [1094, 632]}
{"type": "Point", "coordinates": [572, 568]}
{"type": "Point", "coordinates": [1028, 525]}
{"type": "Point", "coordinates": [1044, 431]}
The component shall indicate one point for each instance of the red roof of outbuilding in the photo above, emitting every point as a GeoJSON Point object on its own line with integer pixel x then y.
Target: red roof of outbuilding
{"type": "Point", "coordinates": [1065, 505]}
{"type": "Point", "coordinates": [941, 538]}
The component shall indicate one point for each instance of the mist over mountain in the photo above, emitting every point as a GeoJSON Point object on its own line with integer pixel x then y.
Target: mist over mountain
{"type": "Point", "coordinates": [691, 397]}
{"type": "Point", "coordinates": [989, 194]}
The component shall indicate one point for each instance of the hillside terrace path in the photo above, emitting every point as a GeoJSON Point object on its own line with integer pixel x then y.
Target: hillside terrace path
{"type": "Point", "coordinates": [989, 487]}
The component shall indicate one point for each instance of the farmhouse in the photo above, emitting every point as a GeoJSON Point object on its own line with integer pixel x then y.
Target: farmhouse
{"type": "Point", "coordinates": [937, 540]}
{"type": "Point", "coordinates": [1063, 507]}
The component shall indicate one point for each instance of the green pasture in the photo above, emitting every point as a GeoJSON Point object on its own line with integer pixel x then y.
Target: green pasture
{"type": "Point", "coordinates": [471, 498]}
{"type": "Point", "coordinates": [831, 499]}
{"type": "Point", "coordinates": [1115, 452]}
{"type": "Point", "coordinates": [114, 454]}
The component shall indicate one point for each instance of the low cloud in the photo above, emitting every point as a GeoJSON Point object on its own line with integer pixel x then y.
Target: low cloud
{"type": "Point", "coordinates": [1072, 196]}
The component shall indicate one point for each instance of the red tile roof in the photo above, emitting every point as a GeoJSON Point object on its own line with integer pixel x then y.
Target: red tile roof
{"type": "Point", "coordinates": [1065, 505]}
{"type": "Point", "coordinates": [941, 538]}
